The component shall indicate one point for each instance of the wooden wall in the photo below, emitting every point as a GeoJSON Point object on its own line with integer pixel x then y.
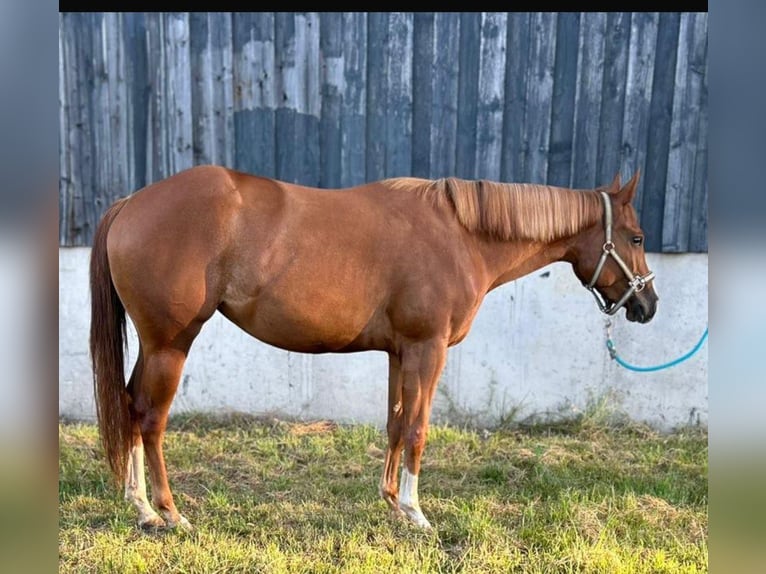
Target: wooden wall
{"type": "Point", "coordinates": [337, 99]}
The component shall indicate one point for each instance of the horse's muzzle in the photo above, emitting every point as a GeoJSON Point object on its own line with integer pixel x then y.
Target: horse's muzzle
{"type": "Point", "coordinates": [640, 310]}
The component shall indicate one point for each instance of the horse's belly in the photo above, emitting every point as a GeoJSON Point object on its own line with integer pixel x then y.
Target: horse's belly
{"type": "Point", "coordinates": [299, 324]}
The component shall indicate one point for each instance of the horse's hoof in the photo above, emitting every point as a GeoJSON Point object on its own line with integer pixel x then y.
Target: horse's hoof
{"type": "Point", "coordinates": [180, 523]}
{"type": "Point", "coordinates": [416, 517]}
{"type": "Point", "coordinates": [152, 522]}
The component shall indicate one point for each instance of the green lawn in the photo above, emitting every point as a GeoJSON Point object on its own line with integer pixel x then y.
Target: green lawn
{"type": "Point", "coordinates": [272, 496]}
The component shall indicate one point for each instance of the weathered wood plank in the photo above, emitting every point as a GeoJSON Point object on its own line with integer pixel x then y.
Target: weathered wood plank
{"type": "Point", "coordinates": [135, 32]}
{"type": "Point", "coordinates": [489, 117]}
{"type": "Point", "coordinates": [468, 87]}
{"type": "Point", "coordinates": [698, 240]}
{"type": "Point", "coordinates": [289, 93]}
{"type": "Point", "coordinates": [157, 161]}
{"type": "Point", "coordinates": [542, 52]}
{"type": "Point", "coordinates": [199, 38]}
{"type": "Point", "coordinates": [638, 96]}
{"type": "Point", "coordinates": [306, 135]}
{"type": "Point", "coordinates": [613, 96]}
{"type": "Point", "coordinates": [514, 149]}
{"type": "Point", "coordinates": [563, 100]}
{"type": "Point", "coordinates": [422, 93]}
{"type": "Point", "coordinates": [331, 47]}
{"type": "Point", "coordinates": [590, 71]}
{"type": "Point", "coordinates": [118, 180]}
{"type": "Point", "coordinates": [102, 134]}
{"type": "Point", "coordinates": [444, 97]}
{"type": "Point", "coordinates": [684, 133]}
{"type": "Point", "coordinates": [660, 113]}
{"type": "Point", "coordinates": [65, 127]}
{"type": "Point", "coordinates": [353, 121]}
{"type": "Point", "coordinates": [377, 65]}
{"type": "Point", "coordinates": [399, 95]}
{"type": "Point", "coordinates": [222, 67]}
{"type": "Point", "coordinates": [80, 203]}
{"type": "Point", "coordinates": [212, 94]}
{"type": "Point", "coordinates": [177, 93]}
{"type": "Point", "coordinates": [254, 92]}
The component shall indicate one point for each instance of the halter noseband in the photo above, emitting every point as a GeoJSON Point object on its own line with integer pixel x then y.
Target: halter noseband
{"type": "Point", "coordinates": [636, 283]}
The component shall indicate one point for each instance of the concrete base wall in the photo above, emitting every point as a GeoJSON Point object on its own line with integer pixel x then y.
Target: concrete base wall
{"type": "Point", "coordinates": [536, 349]}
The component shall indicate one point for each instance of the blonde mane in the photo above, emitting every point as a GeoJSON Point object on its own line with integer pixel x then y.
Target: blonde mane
{"type": "Point", "coordinates": [509, 211]}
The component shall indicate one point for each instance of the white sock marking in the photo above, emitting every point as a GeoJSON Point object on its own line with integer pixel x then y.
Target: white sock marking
{"type": "Point", "coordinates": [135, 485]}
{"type": "Point", "coordinates": [408, 498]}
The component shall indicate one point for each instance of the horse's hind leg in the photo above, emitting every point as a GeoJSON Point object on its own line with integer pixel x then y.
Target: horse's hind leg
{"type": "Point", "coordinates": [160, 377]}
{"type": "Point", "coordinates": [135, 485]}
{"type": "Point", "coordinates": [135, 478]}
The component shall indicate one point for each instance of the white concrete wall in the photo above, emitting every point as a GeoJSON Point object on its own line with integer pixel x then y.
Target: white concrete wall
{"type": "Point", "coordinates": [536, 349]}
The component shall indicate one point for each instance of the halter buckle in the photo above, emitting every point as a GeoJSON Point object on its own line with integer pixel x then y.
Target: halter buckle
{"type": "Point", "coordinates": [638, 283]}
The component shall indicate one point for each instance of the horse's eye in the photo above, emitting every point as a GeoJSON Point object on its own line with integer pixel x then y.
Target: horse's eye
{"type": "Point", "coordinates": [638, 240]}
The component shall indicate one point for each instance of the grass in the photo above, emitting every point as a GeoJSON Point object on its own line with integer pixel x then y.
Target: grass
{"type": "Point", "coordinates": [275, 496]}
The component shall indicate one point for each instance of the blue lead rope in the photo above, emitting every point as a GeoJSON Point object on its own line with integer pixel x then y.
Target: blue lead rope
{"type": "Point", "coordinates": [616, 357]}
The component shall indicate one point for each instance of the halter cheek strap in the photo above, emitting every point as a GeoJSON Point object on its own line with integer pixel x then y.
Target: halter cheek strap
{"type": "Point", "coordinates": [636, 283]}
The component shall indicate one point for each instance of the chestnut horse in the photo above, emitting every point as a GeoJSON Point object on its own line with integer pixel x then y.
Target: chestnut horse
{"type": "Point", "coordinates": [399, 265]}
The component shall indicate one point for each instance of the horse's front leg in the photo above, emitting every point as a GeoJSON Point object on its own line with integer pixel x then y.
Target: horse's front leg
{"type": "Point", "coordinates": [420, 366]}
{"type": "Point", "coordinates": [389, 481]}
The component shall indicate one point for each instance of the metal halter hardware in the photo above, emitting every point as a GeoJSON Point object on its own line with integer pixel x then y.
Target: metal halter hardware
{"type": "Point", "coordinates": [636, 283]}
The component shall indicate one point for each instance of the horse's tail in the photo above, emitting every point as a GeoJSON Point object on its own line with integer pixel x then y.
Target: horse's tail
{"type": "Point", "coordinates": [107, 344]}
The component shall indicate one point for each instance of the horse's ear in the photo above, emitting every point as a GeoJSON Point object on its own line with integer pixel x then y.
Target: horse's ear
{"type": "Point", "coordinates": [614, 187]}
{"type": "Point", "coordinates": [627, 193]}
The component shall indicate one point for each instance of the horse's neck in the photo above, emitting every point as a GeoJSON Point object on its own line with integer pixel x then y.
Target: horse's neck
{"type": "Point", "coordinates": [506, 261]}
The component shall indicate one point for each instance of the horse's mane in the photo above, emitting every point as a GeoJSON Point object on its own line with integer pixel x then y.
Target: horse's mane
{"type": "Point", "coordinates": [509, 211]}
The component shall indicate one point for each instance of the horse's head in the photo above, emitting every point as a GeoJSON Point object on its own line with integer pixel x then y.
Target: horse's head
{"type": "Point", "coordinates": [609, 257]}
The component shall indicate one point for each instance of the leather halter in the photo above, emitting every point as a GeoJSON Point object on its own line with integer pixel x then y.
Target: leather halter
{"type": "Point", "coordinates": [636, 283]}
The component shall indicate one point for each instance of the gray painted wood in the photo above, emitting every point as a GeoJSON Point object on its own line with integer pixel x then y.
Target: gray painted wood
{"type": "Point", "coordinates": [177, 92]}
{"type": "Point", "coordinates": [212, 93]}
{"type": "Point", "coordinates": [354, 105]}
{"type": "Point", "coordinates": [377, 63]}
{"type": "Point", "coordinates": [398, 135]}
{"type": "Point", "coordinates": [468, 84]}
{"type": "Point", "coordinates": [638, 97]}
{"type": "Point", "coordinates": [515, 105]}
{"type": "Point", "coordinates": [542, 53]}
{"type": "Point", "coordinates": [699, 216]}
{"type": "Point", "coordinates": [589, 92]}
{"type": "Point", "coordinates": [79, 186]}
{"type": "Point", "coordinates": [613, 97]}
{"type": "Point", "coordinates": [254, 87]}
{"type": "Point", "coordinates": [563, 100]}
{"type": "Point", "coordinates": [684, 132]}
{"type": "Point", "coordinates": [489, 113]}
{"type": "Point", "coordinates": [337, 99]}
{"type": "Point", "coordinates": [306, 140]}
{"type": "Point", "coordinates": [331, 51]}
{"type": "Point", "coordinates": [422, 93]}
{"type": "Point", "coordinates": [658, 144]}
{"type": "Point", "coordinates": [444, 96]}
{"type": "Point", "coordinates": [137, 81]}
{"type": "Point", "coordinates": [65, 167]}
